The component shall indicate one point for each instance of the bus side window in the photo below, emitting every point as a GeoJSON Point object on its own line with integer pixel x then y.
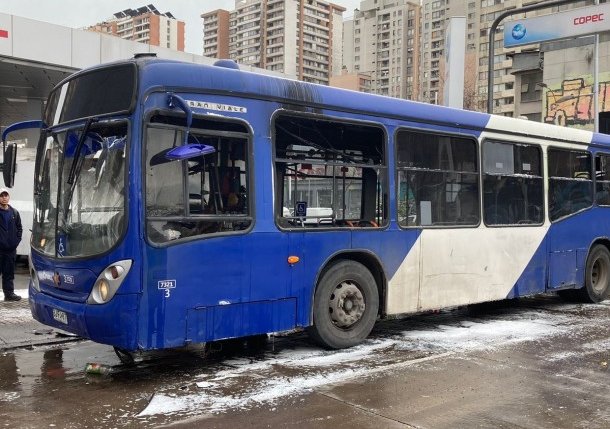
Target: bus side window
{"type": "Point", "coordinates": [202, 195]}
{"type": "Point", "coordinates": [512, 183]}
{"type": "Point", "coordinates": [438, 180]}
{"type": "Point", "coordinates": [570, 182]}
{"type": "Point", "coordinates": [602, 183]}
{"type": "Point", "coordinates": [328, 173]}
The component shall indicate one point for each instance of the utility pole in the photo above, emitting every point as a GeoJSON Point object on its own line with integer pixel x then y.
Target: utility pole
{"type": "Point", "coordinates": [596, 82]}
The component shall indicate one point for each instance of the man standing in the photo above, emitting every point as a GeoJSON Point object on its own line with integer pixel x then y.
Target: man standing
{"type": "Point", "coordinates": [10, 236]}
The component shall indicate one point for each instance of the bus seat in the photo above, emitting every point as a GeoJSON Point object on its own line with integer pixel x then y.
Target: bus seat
{"type": "Point", "coordinates": [468, 206]}
{"type": "Point", "coordinates": [510, 199]}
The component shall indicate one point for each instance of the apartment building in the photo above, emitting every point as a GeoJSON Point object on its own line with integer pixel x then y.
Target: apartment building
{"type": "Point", "coordinates": [216, 34]}
{"type": "Point", "coordinates": [146, 25]}
{"type": "Point", "coordinates": [503, 79]}
{"type": "Point", "coordinates": [382, 41]}
{"type": "Point", "coordinates": [435, 18]}
{"type": "Point", "coordinates": [301, 38]}
{"type": "Point", "coordinates": [480, 14]}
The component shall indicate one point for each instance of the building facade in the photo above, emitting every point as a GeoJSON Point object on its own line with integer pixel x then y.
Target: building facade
{"type": "Point", "coordinates": [503, 73]}
{"type": "Point", "coordinates": [480, 15]}
{"type": "Point", "coordinates": [145, 25]}
{"type": "Point", "coordinates": [354, 81]}
{"type": "Point", "coordinates": [389, 47]}
{"type": "Point", "coordinates": [301, 38]}
{"type": "Point", "coordinates": [382, 40]}
{"type": "Point", "coordinates": [435, 17]}
{"type": "Point", "coordinates": [216, 34]}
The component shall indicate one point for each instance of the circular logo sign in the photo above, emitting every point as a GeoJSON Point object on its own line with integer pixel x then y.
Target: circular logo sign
{"type": "Point", "coordinates": [519, 31]}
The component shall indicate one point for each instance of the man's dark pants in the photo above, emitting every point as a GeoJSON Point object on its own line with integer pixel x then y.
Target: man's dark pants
{"type": "Point", "coordinates": [7, 265]}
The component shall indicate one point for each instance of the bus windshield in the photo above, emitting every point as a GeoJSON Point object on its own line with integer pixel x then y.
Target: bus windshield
{"type": "Point", "coordinates": [84, 217]}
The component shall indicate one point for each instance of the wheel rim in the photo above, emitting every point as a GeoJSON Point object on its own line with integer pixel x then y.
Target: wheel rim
{"type": "Point", "coordinates": [599, 275]}
{"type": "Point", "coordinates": [346, 305]}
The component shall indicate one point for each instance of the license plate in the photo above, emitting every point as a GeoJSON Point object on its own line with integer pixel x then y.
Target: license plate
{"type": "Point", "coordinates": [60, 316]}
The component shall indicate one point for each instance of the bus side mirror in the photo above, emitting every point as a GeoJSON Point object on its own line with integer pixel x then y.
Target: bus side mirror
{"type": "Point", "coordinates": [181, 153]}
{"type": "Point", "coordinates": [187, 150]}
{"type": "Point", "coordinates": [9, 164]}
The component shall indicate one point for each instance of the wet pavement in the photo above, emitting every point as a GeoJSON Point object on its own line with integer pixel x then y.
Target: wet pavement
{"type": "Point", "coordinates": [18, 328]}
{"type": "Point", "coordinates": [535, 363]}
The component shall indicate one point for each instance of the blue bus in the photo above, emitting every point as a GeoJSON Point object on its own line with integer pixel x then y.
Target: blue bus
{"type": "Point", "coordinates": [177, 204]}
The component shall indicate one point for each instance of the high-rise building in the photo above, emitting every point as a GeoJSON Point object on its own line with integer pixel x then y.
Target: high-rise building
{"type": "Point", "coordinates": [382, 40]}
{"type": "Point", "coordinates": [435, 18]}
{"type": "Point", "coordinates": [480, 14]}
{"type": "Point", "coordinates": [301, 38]}
{"type": "Point", "coordinates": [146, 25]}
{"type": "Point", "coordinates": [216, 33]}
{"type": "Point", "coordinates": [503, 80]}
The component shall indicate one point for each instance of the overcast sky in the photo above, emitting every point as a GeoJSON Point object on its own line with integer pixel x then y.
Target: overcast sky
{"type": "Point", "coordinates": [81, 13]}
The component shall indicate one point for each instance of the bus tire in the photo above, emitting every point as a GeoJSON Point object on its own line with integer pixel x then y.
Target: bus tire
{"type": "Point", "coordinates": [345, 306]}
{"type": "Point", "coordinates": [597, 275]}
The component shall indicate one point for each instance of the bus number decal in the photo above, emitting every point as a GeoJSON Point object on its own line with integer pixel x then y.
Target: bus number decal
{"type": "Point", "coordinates": [166, 285]}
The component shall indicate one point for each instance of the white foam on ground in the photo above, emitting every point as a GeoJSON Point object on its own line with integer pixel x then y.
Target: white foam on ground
{"type": "Point", "coordinates": [471, 335]}
{"type": "Point", "coordinates": [246, 384]}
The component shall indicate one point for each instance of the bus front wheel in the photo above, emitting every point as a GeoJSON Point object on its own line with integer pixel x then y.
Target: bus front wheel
{"type": "Point", "coordinates": [597, 275]}
{"type": "Point", "coordinates": [345, 306]}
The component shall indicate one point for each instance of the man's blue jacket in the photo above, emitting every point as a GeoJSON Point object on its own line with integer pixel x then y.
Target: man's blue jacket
{"type": "Point", "coordinates": [10, 235]}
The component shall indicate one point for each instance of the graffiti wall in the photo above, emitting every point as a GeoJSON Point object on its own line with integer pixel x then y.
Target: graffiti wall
{"type": "Point", "coordinates": [570, 102]}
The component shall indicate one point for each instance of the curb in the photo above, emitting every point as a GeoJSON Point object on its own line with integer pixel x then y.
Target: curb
{"type": "Point", "coordinates": [42, 343]}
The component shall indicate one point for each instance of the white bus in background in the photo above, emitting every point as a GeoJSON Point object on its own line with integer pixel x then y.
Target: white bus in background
{"type": "Point", "coordinates": [22, 195]}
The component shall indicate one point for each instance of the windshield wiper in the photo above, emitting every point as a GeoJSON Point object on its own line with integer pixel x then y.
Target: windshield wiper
{"type": "Point", "coordinates": [75, 169]}
{"type": "Point", "coordinates": [81, 141]}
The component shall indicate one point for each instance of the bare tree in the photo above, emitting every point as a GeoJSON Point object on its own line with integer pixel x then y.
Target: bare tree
{"type": "Point", "coordinates": [471, 97]}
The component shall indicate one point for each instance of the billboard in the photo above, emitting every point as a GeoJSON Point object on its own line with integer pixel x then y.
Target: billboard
{"type": "Point", "coordinates": [561, 25]}
{"type": "Point", "coordinates": [455, 48]}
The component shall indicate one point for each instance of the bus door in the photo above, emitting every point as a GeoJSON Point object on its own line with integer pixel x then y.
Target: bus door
{"type": "Point", "coordinates": [570, 192]}
{"type": "Point", "coordinates": [198, 212]}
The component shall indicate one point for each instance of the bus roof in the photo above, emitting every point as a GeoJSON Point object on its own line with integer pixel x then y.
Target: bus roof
{"type": "Point", "coordinates": [180, 76]}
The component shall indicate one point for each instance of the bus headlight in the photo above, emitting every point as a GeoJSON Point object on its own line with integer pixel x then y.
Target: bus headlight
{"type": "Point", "coordinates": [108, 282]}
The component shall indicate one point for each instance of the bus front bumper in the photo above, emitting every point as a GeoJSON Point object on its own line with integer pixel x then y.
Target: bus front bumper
{"type": "Point", "coordinates": [114, 323]}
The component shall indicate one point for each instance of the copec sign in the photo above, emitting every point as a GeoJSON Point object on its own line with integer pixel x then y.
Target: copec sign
{"type": "Point", "coordinates": [583, 20]}
{"type": "Point", "coordinates": [562, 25]}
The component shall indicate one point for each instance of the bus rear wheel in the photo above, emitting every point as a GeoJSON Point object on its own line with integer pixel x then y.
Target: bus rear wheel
{"type": "Point", "coordinates": [597, 275]}
{"type": "Point", "coordinates": [345, 306]}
